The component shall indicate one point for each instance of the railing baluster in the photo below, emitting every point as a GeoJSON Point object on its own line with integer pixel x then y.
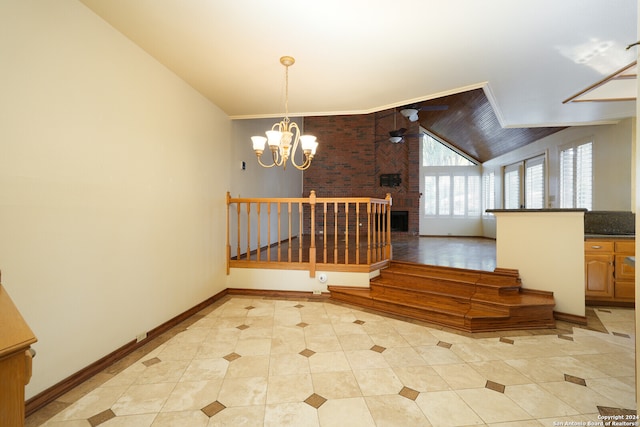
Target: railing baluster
{"type": "Point", "coordinates": [357, 233]}
{"type": "Point", "coordinates": [269, 231]}
{"type": "Point", "coordinates": [369, 232]}
{"type": "Point", "coordinates": [324, 233]}
{"type": "Point", "coordinates": [289, 225]}
{"type": "Point", "coordinates": [300, 232]}
{"type": "Point", "coordinates": [248, 230]}
{"type": "Point", "coordinates": [346, 232]}
{"type": "Point", "coordinates": [335, 232]}
{"type": "Point", "coordinates": [259, 248]}
{"type": "Point", "coordinates": [239, 228]}
{"type": "Point", "coordinates": [279, 238]}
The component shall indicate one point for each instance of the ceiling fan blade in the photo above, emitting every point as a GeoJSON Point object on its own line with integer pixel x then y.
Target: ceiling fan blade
{"type": "Point", "coordinates": [434, 107]}
{"type": "Point", "coordinates": [397, 132]}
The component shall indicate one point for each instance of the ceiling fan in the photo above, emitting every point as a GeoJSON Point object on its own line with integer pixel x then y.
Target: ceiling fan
{"type": "Point", "coordinates": [411, 111]}
{"type": "Point", "coordinates": [397, 136]}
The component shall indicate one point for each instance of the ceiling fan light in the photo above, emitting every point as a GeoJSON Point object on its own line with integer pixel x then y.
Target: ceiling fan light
{"type": "Point", "coordinates": [410, 113]}
{"type": "Point", "coordinates": [395, 139]}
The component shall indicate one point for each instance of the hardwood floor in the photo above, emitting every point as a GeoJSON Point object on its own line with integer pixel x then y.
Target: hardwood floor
{"type": "Point", "coordinates": [475, 253]}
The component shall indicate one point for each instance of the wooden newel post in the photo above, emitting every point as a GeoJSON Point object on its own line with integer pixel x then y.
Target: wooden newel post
{"type": "Point", "coordinates": [388, 250]}
{"type": "Point", "coordinates": [312, 248]}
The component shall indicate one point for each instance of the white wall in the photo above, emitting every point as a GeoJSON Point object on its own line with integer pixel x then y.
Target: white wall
{"type": "Point", "coordinates": [295, 280]}
{"type": "Point", "coordinates": [611, 170]}
{"type": "Point", "coordinates": [113, 175]}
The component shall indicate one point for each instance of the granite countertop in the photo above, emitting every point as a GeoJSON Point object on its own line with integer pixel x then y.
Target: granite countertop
{"type": "Point", "coordinates": [610, 236]}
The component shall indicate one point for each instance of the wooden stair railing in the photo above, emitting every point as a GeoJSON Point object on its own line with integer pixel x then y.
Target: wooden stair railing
{"type": "Point", "coordinates": [343, 234]}
{"type": "Point", "coordinates": [469, 300]}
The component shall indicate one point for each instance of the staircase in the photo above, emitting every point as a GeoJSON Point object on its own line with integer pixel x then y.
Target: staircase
{"type": "Point", "coordinates": [469, 300]}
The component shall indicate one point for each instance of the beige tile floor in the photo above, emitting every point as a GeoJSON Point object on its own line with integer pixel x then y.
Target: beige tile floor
{"type": "Point", "coordinates": [276, 362]}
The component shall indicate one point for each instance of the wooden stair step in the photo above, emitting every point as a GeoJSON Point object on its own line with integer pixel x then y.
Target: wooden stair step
{"type": "Point", "coordinates": [425, 283]}
{"type": "Point", "coordinates": [444, 314]}
{"type": "Point", "coordinates": [459, 292]}
{"type": "Point", "coordinates": [363, 293]}
{"type": "Point", "coordinates": [465, 299]}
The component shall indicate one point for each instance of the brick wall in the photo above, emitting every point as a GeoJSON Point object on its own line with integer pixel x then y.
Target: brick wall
{"type": "Point", "coordinates": [354, 151]}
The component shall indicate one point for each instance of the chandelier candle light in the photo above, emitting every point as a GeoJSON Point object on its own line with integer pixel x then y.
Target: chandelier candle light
{"type": "Point", "coordinates": [281, 134]}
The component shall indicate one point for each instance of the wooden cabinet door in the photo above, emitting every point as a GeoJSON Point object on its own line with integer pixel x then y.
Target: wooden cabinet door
{"type": "Point", "coordinates": [599, 275]}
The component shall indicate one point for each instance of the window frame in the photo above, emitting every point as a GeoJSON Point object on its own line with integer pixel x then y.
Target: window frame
{"type": "Point", "coordinates": [575, 145]}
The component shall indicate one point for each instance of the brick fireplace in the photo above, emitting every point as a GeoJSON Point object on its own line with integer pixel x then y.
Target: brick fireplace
{"type": "Point", "coordinates": [354, 153]}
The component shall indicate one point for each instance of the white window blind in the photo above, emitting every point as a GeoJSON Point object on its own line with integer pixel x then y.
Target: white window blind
{"type": "Point", "coordinates": [452, 191]}
{"type": "Point", "coordinates": [489, 185]}
{"type": "Point", "coordinates": [576, 176]}
{"type": "Point", "coordinates": [534, 183]}
{"type": "Point", "coordinates": [512, 186]}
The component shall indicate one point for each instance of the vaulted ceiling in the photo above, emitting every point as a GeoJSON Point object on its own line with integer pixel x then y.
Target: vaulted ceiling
{"type": "Point", "coordinates": [470, 124]}
{"type": "Point", "coordinates": [503, 67]}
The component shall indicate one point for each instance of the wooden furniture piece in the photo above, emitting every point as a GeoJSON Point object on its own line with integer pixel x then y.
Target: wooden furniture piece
{"type": "Point", "coordinates": [469, 300]}
{"type": "Point", "coordinates": [608, 279]}
{"type": "Point", "coordinates": [15, 361]}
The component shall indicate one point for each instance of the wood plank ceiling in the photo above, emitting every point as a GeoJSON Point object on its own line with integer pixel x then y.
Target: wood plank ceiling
{"type": "Point", "coordinates": [470, 124]}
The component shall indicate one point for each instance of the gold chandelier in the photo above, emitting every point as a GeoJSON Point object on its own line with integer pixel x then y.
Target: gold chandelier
{"type": "Point", "coordinates": [281, 134]}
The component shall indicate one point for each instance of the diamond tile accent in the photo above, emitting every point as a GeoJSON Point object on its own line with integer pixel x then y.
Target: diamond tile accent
{"type": "Point", "coordinates": [249, 307]}
{"type": "Point", "coordinates": [307, 353]}
{"type": "Point", "coordinates": [609, 411]}
{"type": "Point", "coordinates": [315, 400]}
{"type": "Point", "coordinates": [298, 306]}
{"type": "Point", "coordinates": [302, 324]}
{"type": "Point", "coordinates": [231, 357]}
{"type": "Point", "coordinates": [494, 386]}
{"type": "Point", "coordinates": [151, 362]}
{"type": "Point", "coordinates": [359, 322]}
{"type": "Point", "coordinates": [102, 417]}
{"type": "Point", "coordinates": [506, 340]}
{"type": "Point", "coordinates": [565, 337]}
{"type": "Point", "coordinates": [242, 327]}
{"type": "Point", "coordinates": [619, 334]}
{"type": "Point", "coordinates": [444, 344]}
{"type": "Point", "coordinates": [378, 348]}
{"type": "Point", "coordinates": [575, 380]}
{"type": "Point", "coordinates": [409, 393]}
{"type": "Point", "coordinates": [213, 408]}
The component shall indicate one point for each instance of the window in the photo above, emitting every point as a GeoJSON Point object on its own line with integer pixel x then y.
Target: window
{"type": "Point", "coordinates": [576, 176]}
{"type": "Point", "coordinates": [524, 184]}
{"type": "Point", "coordinates": [452, 192]}
{"type": "Point", "coordinates": [489, 186]}
{"type": "Point", "coordinates": [451, 181]}
{"type": "Point", "coordinates": [436, 153]}
{"type": "Point", "coordinates": [534, 183]}
{"type": "Point", "coordinates": [512, 186]}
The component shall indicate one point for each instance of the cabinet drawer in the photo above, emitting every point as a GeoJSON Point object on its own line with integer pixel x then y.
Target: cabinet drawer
{"type": "Point", "coordinates": [625, 290]}
{"type": "Point", "coordinates": [626, 246]}
{"type": "Point", "coordinates": [598, 246]}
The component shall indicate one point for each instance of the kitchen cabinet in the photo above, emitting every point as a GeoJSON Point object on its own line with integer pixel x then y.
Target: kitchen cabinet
{"type": "Point", "coordinates": [608, 279]}
{"type": "Point", "coordinates": [15, 361]}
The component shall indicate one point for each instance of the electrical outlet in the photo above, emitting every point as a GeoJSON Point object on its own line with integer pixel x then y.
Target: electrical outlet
{"type": "Point", "coordinates": [317, 292]}
{"type": "Point", "coordinates": [141, 336]}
